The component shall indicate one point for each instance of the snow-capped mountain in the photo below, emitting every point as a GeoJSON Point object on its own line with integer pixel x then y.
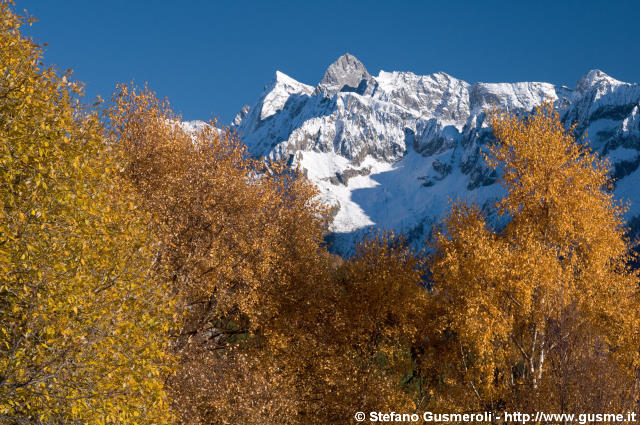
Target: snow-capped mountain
{"type": "Point", "coordinates": [390, 151]}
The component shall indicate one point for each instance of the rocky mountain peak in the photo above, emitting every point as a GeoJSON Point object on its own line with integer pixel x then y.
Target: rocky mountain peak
{"type": "Point", "coordinates": [278, 92]}
{"type": "Point", "coordinates": [347, 70]}
{"type": "Point", "coordinates": [390, 151]}
{"type": "Point", "coordinates": [593, 78]}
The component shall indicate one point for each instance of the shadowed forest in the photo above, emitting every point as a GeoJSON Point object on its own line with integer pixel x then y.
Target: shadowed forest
{"type": "Point", "coordinates": [152, 275]}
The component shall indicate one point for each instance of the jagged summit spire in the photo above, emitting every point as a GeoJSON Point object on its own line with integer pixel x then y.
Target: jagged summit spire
{"type": "Point", "coordinates": [347, 70]}
{"type": "Point", "coordinates": [594, 77]}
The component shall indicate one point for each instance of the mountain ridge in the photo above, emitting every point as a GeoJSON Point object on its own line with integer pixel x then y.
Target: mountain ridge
{"type": "Point", "coordinates": [389, 151]}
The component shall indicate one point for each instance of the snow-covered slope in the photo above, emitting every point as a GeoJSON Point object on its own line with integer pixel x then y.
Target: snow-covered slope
{"type": "Point", "coordinates": [390, 151]}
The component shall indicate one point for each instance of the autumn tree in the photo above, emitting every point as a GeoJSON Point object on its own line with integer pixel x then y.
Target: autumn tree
{"type": "Point", "coordinates": [383, 302]}
{"type": "Point", "coordinates": [542, 314]}
{"type": "Point", "coordinates": [82, 315]}
{"type": "Point", "coordinates": [274, 332]}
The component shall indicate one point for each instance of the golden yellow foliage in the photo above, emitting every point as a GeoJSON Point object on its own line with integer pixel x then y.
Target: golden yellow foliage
{"type": "Point", "coordinates": [82, 315]}
{"type": "Point", "coordinates": [149, 274]}
{"type": "Point", "coordinates": [272, 333]}
{"type": "Point", "coordinates": [542, 314]}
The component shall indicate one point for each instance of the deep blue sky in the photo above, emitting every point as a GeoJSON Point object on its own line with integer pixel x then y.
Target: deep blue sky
{"type": "Point", "coordinates": [210, 58]}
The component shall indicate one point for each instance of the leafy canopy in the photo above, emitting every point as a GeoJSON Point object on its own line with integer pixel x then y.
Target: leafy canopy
{"type": "Point", "coordinates": [82, 312]}
{"type": "Point", "coordinates": [543, 313]}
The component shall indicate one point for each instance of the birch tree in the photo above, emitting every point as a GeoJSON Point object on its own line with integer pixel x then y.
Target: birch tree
{"type": "Point", "coordinates": [543, 313]}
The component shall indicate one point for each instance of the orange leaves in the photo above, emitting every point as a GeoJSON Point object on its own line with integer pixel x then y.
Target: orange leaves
{"type": "Point", "coordinates": [115, 227]}
{"type": "Point", "coordinates": [530, 306]}
{"type": "Point", "coordinates": [234, 237]}
{"type": "Point", "coordinates": [271, 332]}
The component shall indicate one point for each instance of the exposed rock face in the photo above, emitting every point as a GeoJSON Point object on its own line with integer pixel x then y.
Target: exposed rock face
{"type": "Point", "coordinates": [344, 74]}
{"type": "Point", "coordinates": [390, 151]}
